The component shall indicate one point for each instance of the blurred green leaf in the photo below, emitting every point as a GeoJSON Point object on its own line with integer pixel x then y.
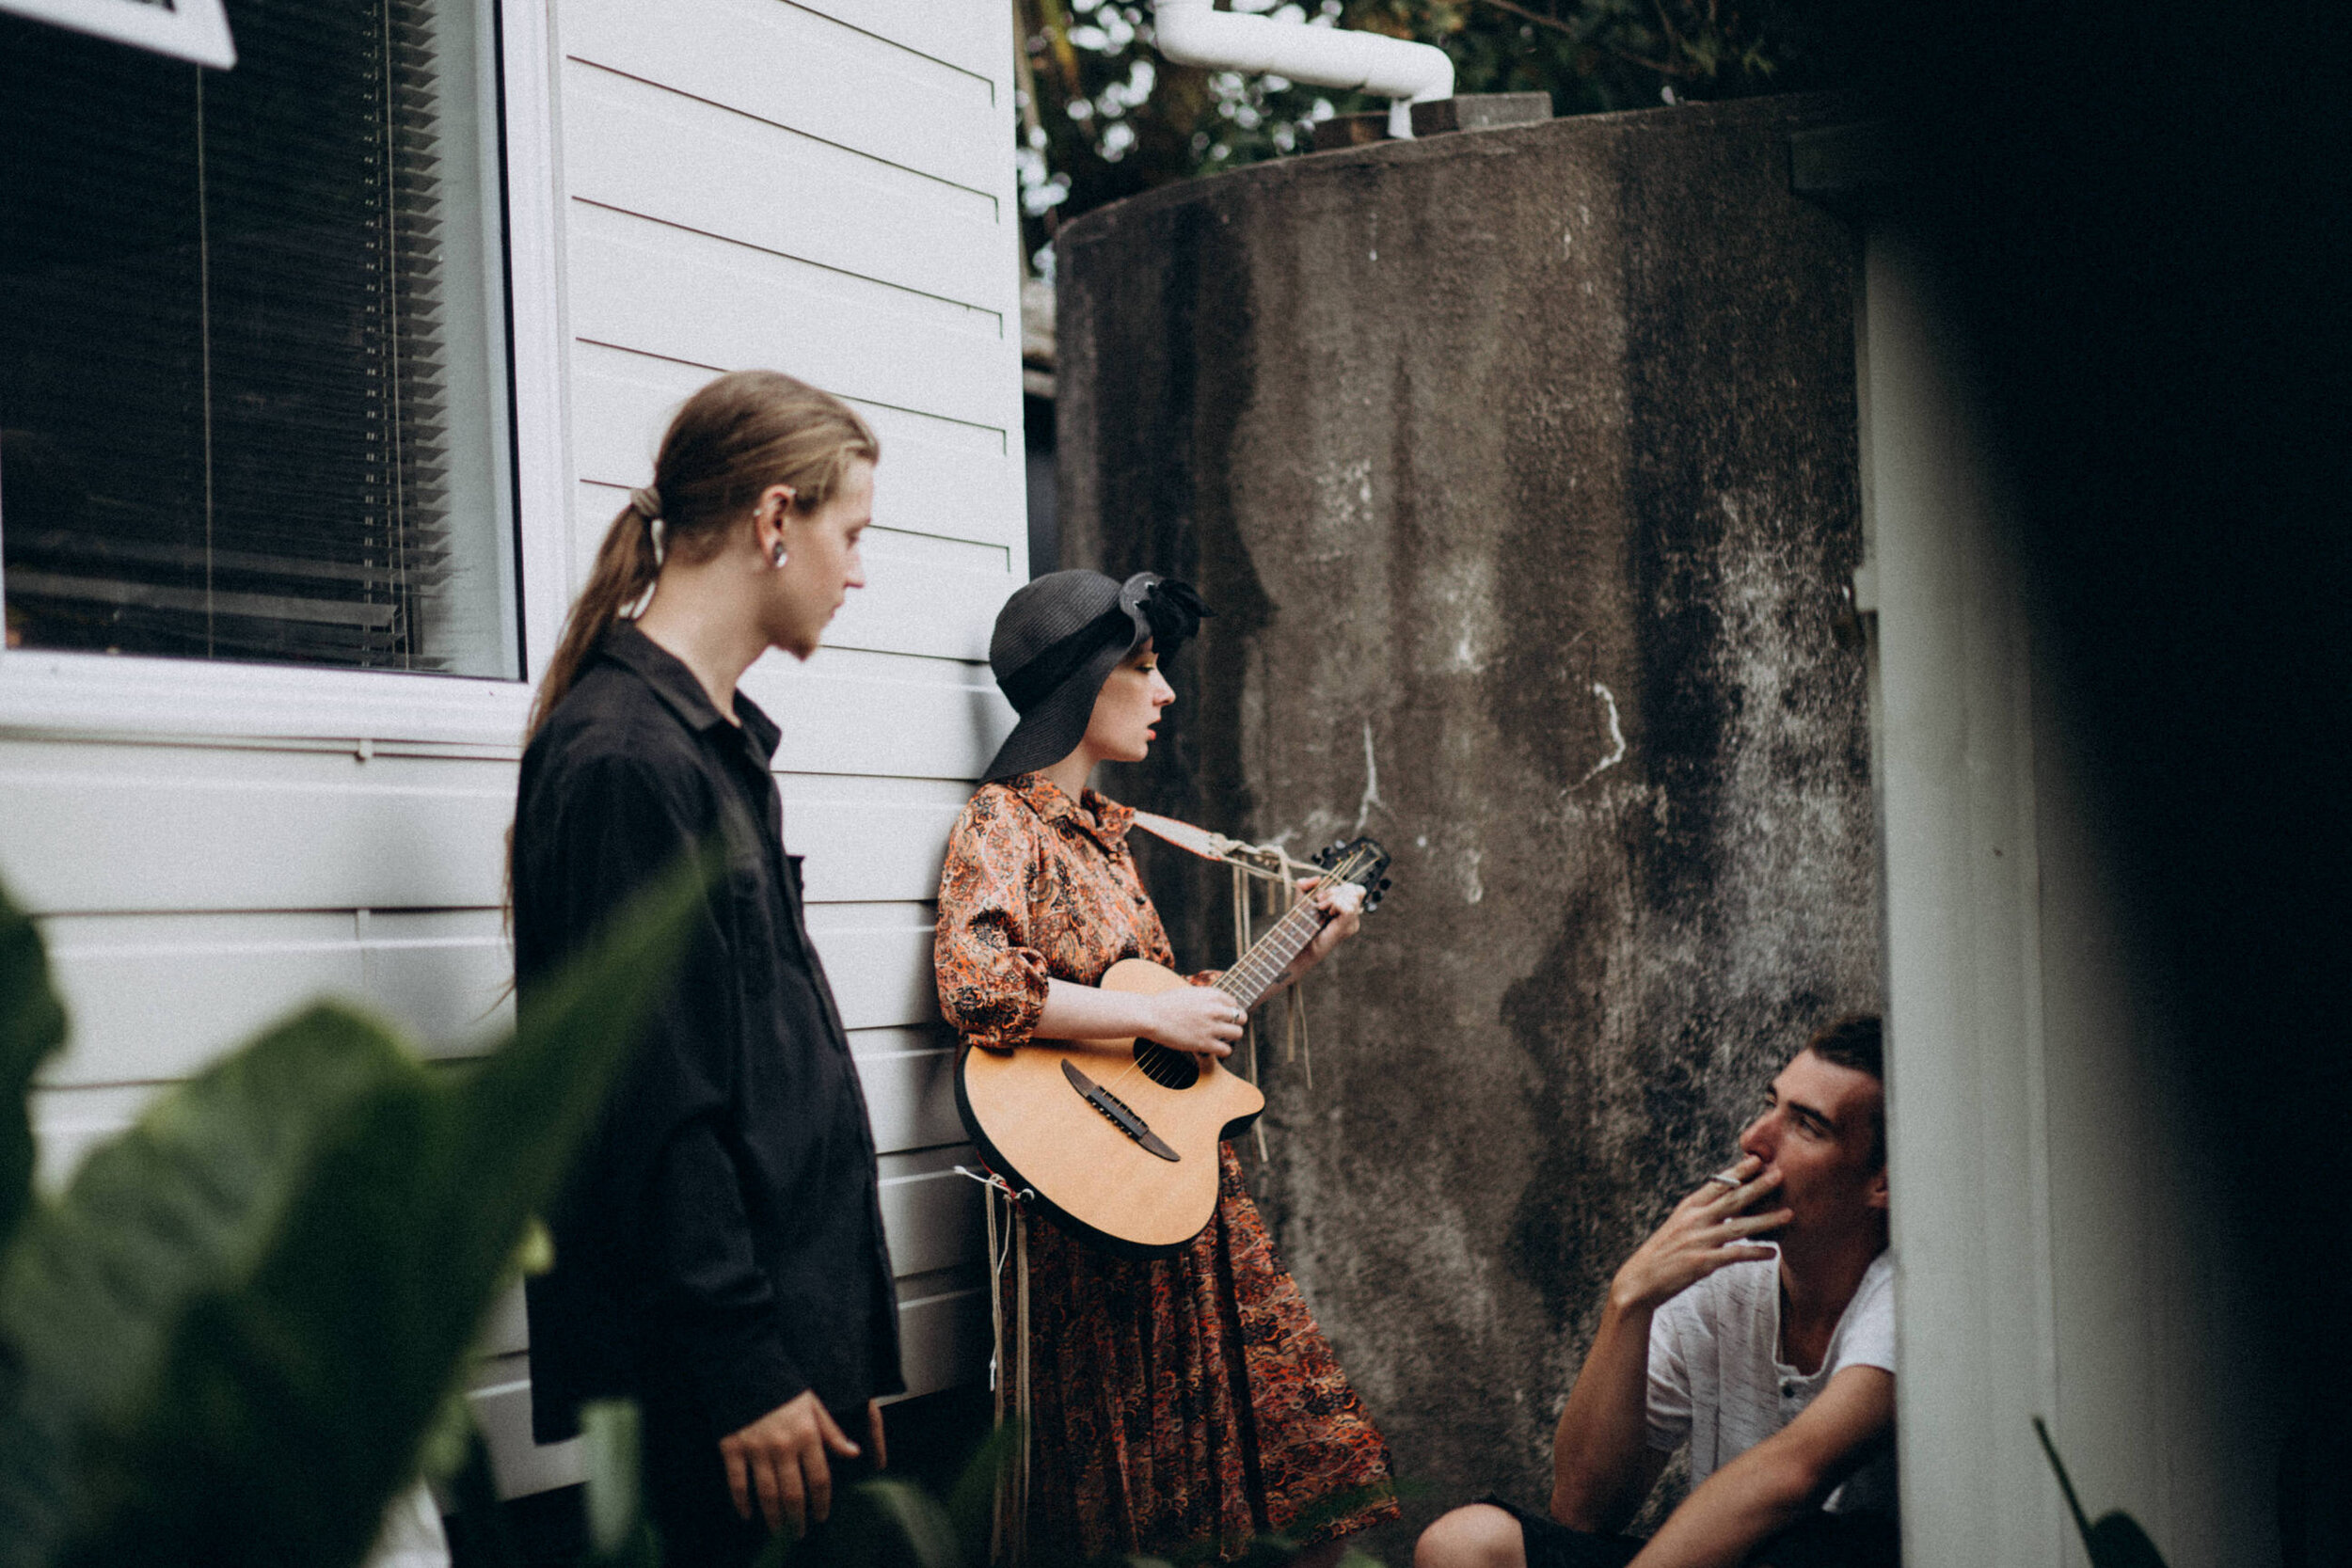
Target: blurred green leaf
{"type": "Point", "coordinates": [611, 1435]}
{"type": "Point", "coordinates": [32, 1027]}
{"type": "Point", "coordinates": [226, 1342]}
{"type": "Point", "coordinates": [972, 1501]}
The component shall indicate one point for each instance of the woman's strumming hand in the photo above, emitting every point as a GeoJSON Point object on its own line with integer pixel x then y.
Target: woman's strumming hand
{"type": "Point", "coordinates": [1199, 1018]}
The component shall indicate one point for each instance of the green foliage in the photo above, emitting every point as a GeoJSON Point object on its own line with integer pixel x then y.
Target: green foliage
{"type": "Point", "coordinates": [32, 1027]}
{"type": "Point", "coordinates": [2116, 1541]}
{"type": "Point", "coordinates": [1104, 117]}
{"type": "Point", "coordinates": [231, 1340]}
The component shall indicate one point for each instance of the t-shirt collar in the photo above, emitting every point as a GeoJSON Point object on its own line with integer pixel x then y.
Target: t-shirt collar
{"type": "Point", "coordinates": [676, 684]}
{"type": "Point", "coordinates": [1101, 816]}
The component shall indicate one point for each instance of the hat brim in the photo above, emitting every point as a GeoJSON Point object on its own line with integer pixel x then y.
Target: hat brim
{"type": "Point", "coordinates": [1052, 730]}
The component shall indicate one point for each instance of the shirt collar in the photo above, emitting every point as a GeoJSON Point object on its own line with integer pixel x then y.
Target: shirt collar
{"type": "Point", "coordinates": [1101, 817]}
{"type": "Point", "coordinates": [676, 684]}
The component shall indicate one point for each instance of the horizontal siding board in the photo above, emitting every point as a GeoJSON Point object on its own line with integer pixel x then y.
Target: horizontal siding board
{"type": "Point", "coordinates": [943, 1341]}
{"type": "Point", "coordinates": [870, 840]}
{"type": "Point", "coordinates": [158, 1002]}
{"type": "Point", "coordinates": [67, 1123]}
{"type": "Point", "coordinates": [190, 829]}
{"type": "Point", "coordinates": [928, 719]}
{"type": "Point", "coordinates": [909, 1079]}
{"type": "Point", "coordinates": [164, 1012]}
{"type": "Point", "coordinates": [933, 1220]}
{"type": "Point", "coordinates": [881, 972]}
{"type": "Point", "coordinates": [499, 1399]}
{"type": "Point", "coordinates": [680, 296]}
{"type": "Point", "coordinates": [937, 477]}
{"type": "Point", "coordinates": [632, 146]}
{"type": "Point", "coordinates": [976, 39]}
{"type": "Point", "coordinates": [450, 993]}
{"type": "Point", "coordinates": [797, 69]}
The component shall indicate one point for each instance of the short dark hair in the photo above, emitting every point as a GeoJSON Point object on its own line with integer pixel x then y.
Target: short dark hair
{"type": "Point", "coordinates": [1857, 1041]}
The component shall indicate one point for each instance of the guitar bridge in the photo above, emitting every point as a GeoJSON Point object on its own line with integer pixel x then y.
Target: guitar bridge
{"type": "Point", "coordinates": [1117, 1112]}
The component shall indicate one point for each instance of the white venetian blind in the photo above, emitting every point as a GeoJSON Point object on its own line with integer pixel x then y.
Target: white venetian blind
{"type": "Point", "coordinates": [252, 353]}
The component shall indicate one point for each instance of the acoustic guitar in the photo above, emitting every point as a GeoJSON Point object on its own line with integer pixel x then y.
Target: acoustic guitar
{"type": "Point", "coordinates": [1118, 1138]}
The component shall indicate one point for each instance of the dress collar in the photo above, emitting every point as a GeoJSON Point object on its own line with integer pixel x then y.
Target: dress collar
{"type": "Point", "coordinates": [676, 684]}
{"type": "Point", "coordinates": [1103, 818]}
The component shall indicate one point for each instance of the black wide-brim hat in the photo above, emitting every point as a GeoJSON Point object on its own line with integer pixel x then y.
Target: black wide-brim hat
{"type": "Point", "coordinates": [1057, 641]}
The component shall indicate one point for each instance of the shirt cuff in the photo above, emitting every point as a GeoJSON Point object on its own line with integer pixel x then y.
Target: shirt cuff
{"type": "Point", "coordinates": [739, 1385]}
{"type": "Point", "coordinates": [1005, 1014]}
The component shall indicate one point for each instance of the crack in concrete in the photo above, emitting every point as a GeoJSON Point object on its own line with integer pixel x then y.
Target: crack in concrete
{"type": "Point", "coordinates": [1616, 736]}
{"type": "Point", "coordinates": [1372, 783]}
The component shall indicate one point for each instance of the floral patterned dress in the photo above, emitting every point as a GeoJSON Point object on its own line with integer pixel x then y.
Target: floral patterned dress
{"type": "Point", "coordinates": [1179, 1403]}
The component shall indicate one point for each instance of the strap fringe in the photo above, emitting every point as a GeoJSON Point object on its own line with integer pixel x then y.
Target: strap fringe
{"type": "Point", "coordinates": [1009, 1359]}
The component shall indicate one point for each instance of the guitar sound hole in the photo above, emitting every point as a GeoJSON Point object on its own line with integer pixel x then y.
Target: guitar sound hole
{"type": "Point", "coordinates": [1166, 1066]}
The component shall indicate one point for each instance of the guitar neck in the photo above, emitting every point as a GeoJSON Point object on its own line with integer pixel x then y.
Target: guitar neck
{"type": "Point", "coordinates": [1254, 973]}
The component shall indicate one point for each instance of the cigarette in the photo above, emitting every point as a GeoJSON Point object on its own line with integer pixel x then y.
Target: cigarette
{"type": "Point", "coordinates": [1728, 1178]}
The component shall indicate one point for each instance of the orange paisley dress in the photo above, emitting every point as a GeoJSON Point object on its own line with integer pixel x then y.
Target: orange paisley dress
{"type": "Point", "coordinates": [1182, 1405]}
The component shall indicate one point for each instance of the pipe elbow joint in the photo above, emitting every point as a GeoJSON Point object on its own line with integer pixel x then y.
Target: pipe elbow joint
{"type": "Point", "coordinates": [1195, 33]}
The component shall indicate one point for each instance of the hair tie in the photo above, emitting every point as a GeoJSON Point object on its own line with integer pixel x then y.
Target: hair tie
{"type": "Point", "coordinates": [655, 530]}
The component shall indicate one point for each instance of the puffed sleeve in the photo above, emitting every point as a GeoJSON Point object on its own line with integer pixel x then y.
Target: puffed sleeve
{"type": "Point", "coordinates": [991, 982]}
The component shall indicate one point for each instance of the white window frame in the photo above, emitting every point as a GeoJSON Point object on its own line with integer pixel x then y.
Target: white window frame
{"type": "Point", "coordinates": [48, 693]}
{"type": "Point", "coordinates": [194, 30]}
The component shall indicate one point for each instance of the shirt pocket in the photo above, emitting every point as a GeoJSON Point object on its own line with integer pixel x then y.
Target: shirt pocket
{"type": "Point", "coordinates": [754, 909]}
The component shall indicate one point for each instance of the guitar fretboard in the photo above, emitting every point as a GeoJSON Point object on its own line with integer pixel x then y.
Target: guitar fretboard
{"type": "Point", "coordinates": [1257, 970]}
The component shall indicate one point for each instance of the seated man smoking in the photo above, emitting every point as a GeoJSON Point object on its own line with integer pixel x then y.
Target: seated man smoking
{"type": "Point", "coordinates": [1776, 1367]}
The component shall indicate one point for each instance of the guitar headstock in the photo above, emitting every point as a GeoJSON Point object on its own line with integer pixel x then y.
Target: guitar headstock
{"type": "Point", "coordinates": [1361, 861]}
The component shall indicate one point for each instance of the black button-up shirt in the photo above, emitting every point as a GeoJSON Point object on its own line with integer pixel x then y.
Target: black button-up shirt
{"type": "Point", "coordinates": [722, 1235]}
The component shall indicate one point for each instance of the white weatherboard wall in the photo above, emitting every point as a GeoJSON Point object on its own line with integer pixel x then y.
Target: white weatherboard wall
{"type": "Point", "coordinates": [2057, 1254]}
{"type": "Point", "coordinates": [824, 189]}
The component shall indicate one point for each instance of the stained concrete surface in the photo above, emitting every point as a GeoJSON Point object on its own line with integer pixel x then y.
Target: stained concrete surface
{"type": "Point", "coordinates": [1519, 469]}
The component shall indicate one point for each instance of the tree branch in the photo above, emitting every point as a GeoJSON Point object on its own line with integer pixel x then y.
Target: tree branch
{"type": "Point", "coordinates": [1663, 68]}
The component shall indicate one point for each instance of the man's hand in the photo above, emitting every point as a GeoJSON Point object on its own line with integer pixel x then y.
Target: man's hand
{"type": "Point", "coordinates": [874, 1434]}
{"type": "Point", "coordinates": [1703, 1234]}
{"type": "Point", "coordinates": [1779, 1480]}
{"type": "Point", "coordinates": [781, 1458]}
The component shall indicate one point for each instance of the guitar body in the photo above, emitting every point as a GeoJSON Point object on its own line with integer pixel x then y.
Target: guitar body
{"type": "Point", "coordinates": [1039, 1129]}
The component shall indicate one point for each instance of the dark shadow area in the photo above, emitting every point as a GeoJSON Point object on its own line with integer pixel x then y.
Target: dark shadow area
{"type": "Point", "coordinates": [2142, 214]}
{"type": "Point", "coordinates": [932, 1438]}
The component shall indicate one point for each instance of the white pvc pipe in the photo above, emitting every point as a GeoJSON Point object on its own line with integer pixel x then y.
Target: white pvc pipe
{"type": "Point", "coordinates": [1195, 32]}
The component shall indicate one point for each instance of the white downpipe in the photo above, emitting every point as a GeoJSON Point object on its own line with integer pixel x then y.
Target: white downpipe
{"type": "Point", "coordinates": [1195, 32]}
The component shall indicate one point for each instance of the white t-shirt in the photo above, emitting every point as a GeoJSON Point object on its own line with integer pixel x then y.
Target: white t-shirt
{"type": "Point", "coordinates": [1716, 1378]}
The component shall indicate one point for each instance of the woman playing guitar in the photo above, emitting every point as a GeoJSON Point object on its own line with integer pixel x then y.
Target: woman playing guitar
{"type": "Point", "coordinates": [1178, 1400]}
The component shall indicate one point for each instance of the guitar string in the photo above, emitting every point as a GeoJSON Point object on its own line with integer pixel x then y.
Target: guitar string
{"type": "Point", "coordinates": [1153, 1050]}
{"type": "Point", "coordinates": [1344, 872]}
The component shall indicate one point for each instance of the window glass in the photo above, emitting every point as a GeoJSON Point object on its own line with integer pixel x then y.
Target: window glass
{"type": "Point", "coordinates": [253, 353]}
